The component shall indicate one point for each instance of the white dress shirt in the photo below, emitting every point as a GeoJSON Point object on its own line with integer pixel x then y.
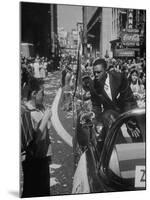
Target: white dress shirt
{"type": "Point", "coordinates": [107, 87]}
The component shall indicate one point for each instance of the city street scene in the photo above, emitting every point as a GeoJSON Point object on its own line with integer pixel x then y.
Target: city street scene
{"type": "Point", "coordinates": [83, 98]}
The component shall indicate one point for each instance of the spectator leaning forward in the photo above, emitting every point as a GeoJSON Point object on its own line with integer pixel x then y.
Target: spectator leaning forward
{"type": "Point", "coordinates": [35, 142]}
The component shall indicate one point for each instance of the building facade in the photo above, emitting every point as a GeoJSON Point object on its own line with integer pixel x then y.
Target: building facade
{"type": "Point", "coordinates": [54, 32]}
{"type": "Point", "coordinates": [62, 37]}
{"type": "Point", "coordinates": [68, 41]}
{"type": "Point", "coordinates": [114, 32]}
{"type": "Point", "coordinates": [39, 27]}
{"type": "Point", "coordinates": [91, 29]}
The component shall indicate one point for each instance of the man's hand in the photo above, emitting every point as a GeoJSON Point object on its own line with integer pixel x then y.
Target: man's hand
{"type": "Point", "coordinates": [45, 119]}
{"type": "Point", "coordinates": [133, 129]}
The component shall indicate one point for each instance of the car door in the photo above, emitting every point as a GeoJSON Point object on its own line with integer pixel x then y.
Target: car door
{"type": "Point", "coordinates": [122, 163]}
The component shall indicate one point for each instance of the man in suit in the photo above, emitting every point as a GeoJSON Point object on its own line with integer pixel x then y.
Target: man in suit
{"type": "Point", "coordinates": [110, 93]}
{"type": "Point", "coordinates": [110, 89]}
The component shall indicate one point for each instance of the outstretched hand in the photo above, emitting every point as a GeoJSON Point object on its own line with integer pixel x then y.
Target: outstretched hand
{"type": "Point", "coordinates": [48, 113]}
{"type": "Point", "coordinates": [133, 129]}
{"type": "Point", "coordinates": [46, 118]}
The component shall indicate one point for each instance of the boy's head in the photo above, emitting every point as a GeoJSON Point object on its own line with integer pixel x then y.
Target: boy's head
{"type": "Point", "coordinates": [36, 91]}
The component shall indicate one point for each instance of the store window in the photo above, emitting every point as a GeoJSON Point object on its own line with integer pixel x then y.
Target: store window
{"type": "Point", "coordinates": [134, 19]}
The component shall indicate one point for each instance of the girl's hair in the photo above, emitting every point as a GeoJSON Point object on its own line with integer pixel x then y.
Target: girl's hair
{"type": "Point", "coordinates": [134, 71]}
{"type": "Point", "coordinates": [130, 79]}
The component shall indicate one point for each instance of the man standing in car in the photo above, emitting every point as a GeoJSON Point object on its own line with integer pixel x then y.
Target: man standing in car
{"type": "Point", "coordinates": [110, 93]}
{"type": "Point", "coordinates": [110, 90]}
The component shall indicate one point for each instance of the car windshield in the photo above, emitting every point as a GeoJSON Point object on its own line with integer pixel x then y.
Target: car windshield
{"type": "Point", "coordinates": [129, 148]}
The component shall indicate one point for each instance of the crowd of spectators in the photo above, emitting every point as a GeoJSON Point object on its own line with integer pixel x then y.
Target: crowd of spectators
{"type": "Point", "coordinates": [35, 119]}
{"type": "Point", "coordinates": [133, 68]}
{"type": "Point", "coordinates": [135, 71]}
{"type": "Point", "coordinates": [37, 67]}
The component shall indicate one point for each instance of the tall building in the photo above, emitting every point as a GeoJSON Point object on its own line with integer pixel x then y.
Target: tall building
{"type": "Point", "coordinates": [39, 27]}
{"type": "Point", "coordinates": [114, 32]}
{"type": "Point", "coordinates": [62, 37]}
{"type": "Point", "coordinates": [91, 29]}
{"type": "Point", "coordinates": [53, 24]}
{"type": "Point", "coordinates": [68, 41]}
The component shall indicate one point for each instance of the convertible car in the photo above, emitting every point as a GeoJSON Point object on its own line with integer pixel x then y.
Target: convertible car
{"type": "Point", "coordinates": [115, 162]}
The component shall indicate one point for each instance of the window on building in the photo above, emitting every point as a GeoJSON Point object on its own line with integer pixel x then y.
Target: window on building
{"type": "Point", "coordinates": [142, 15]}
{"type": "Point", "coordinates": [134, 19]}
{"type": "Point", "coordinates": [124, 20]}
{"type": "Point", "coordinates": [114, 12]}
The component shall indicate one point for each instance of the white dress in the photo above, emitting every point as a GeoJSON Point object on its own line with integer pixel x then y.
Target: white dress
{"type": "Point", "coordinates": [36, 68]}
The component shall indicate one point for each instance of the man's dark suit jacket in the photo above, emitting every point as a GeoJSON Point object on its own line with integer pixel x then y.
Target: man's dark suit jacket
{"type": "Point", "coordinates": [122, 96]}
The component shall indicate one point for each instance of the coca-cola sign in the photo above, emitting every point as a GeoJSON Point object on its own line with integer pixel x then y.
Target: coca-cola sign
{"type": "Point", "coordinates": [130, 38]}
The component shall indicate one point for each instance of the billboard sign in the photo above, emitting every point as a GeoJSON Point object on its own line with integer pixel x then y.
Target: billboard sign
{"type": "Point", "coordinates": [130, 38]}
{"type": "Point", "coordinates": [124, 53]}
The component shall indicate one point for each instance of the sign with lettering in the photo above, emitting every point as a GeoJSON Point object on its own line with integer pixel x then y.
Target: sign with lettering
{"type": "Point", "coordinates": [130, 39]}
{"type": "Point", "coordinates": [132, 30]}
{"type": "Point", "coordinates": [140, 177]}
{"type": "Point", "coordinates": [130, 18]}
{"type": "Point", "coordinates": [124, 53]}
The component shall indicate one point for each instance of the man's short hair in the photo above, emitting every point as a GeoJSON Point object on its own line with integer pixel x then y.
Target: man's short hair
{"type": "Point", "coordinates": [100, 61]}
{"type": "Point", "coordinates": [34, 85]}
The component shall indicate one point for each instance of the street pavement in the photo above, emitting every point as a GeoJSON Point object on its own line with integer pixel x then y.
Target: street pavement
{"type": "Point", "coordinates": [61, 168]}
